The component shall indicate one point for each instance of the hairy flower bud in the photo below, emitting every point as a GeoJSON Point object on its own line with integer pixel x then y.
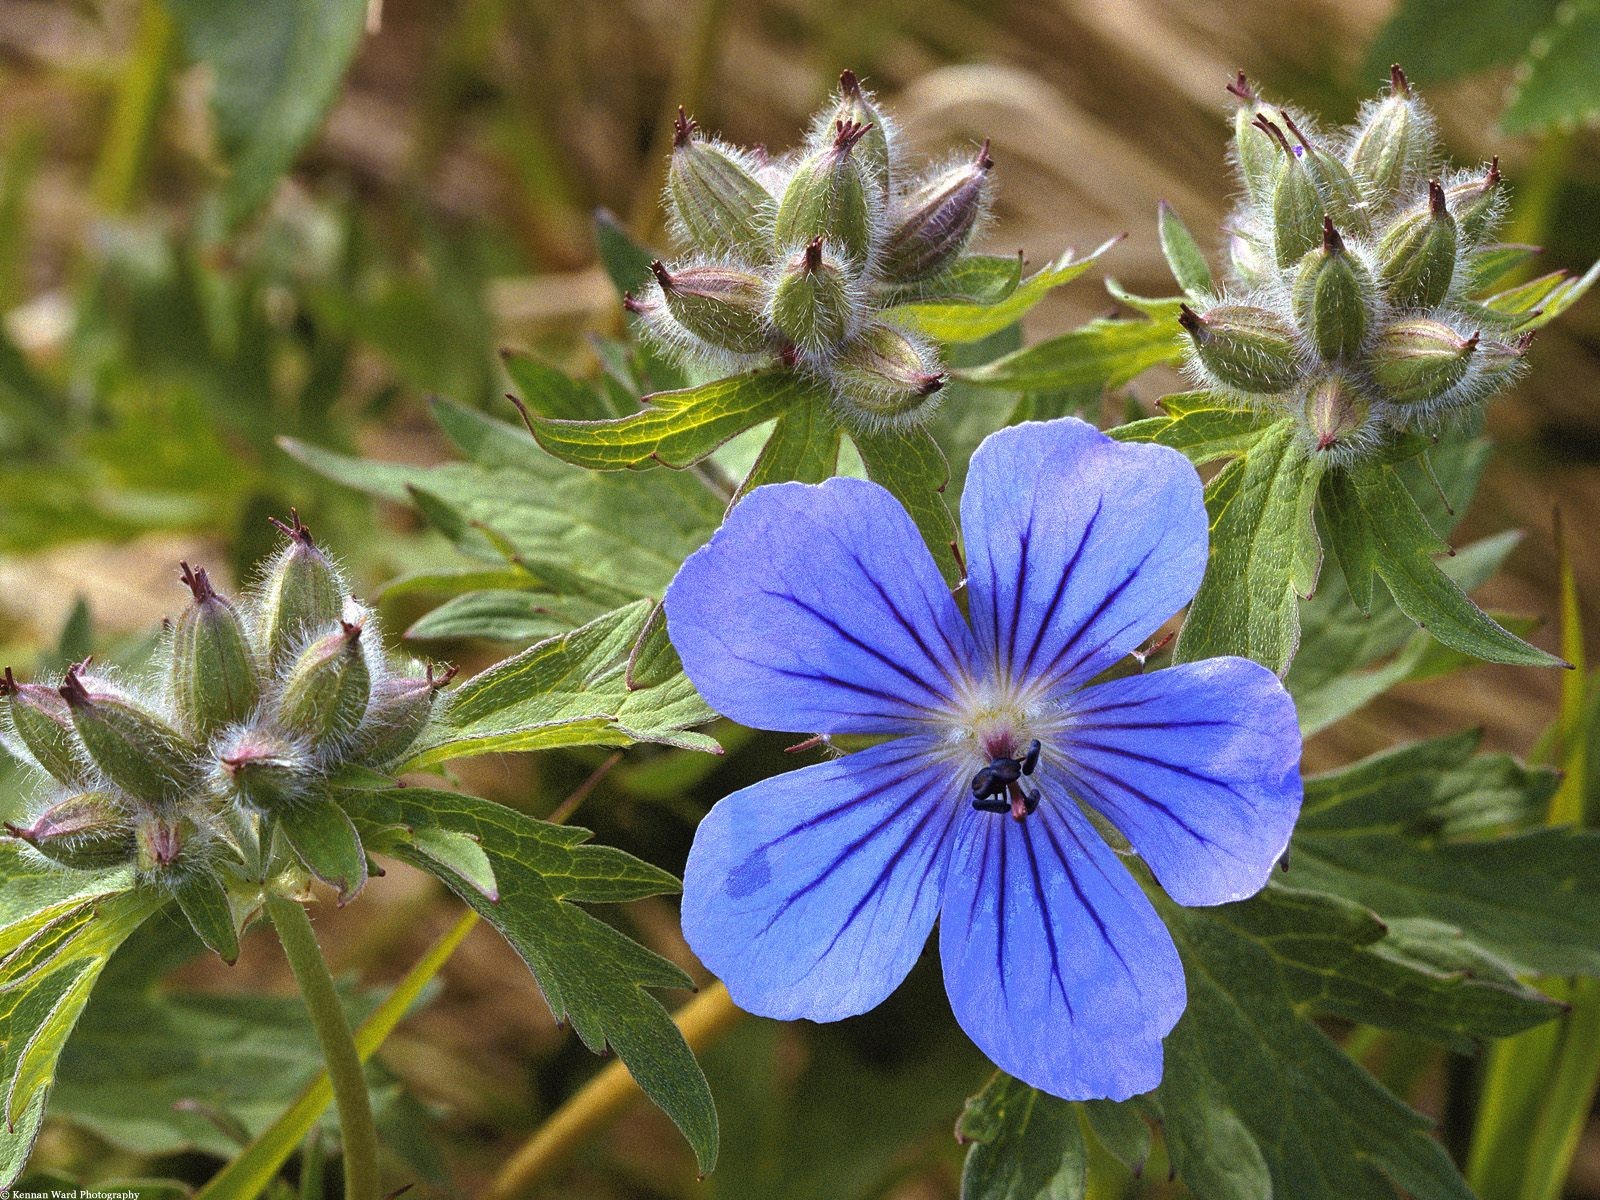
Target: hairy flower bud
{"type": "Point", "coordinates": [136, 749]}
{"type": "Point", "coordinates": [263, 769]}
{"type": "Point", "coordinates": [715, 201]}
{"type": "Point", "coordinates": [813, 305]}
{"type": "Point", "coordinates": [1336, 414]}
{"type": "Point", "coordinates": [1417, 254]}
{"type": "Point", "coordinates": [41, 720]}
{"type": "Point", "coordinates": [1296, 203]}
{"type": "Point", "coordinates": [160, 840]}
{"type": "Point", "coordinates": [935, 221]}
{"type": "Point", "coordinates": [1340, 194]}
{"type": "Point", "coordinates": [722, 306]}
{"type": "Point", "coordinates": [1503, 361]}
{"type": "Point", "coordinates": [301, 593]}
{"type": "Point", "coordinates": [326, 693]}
{"type": "Point", "coordinates": [1256, 157]}
{"type": "Point", "coordinates": [400, 710]}
{"type": "Point", "coordinates": [214, 675]}
{"type": "Point", "coordinates": [85, 831]}
{"type": "Point", "coordinates": [829, 197]}
{"type": "Point", "coordinates": [1244, 347]}
{"type": "Point", "coordinates": [1333, 297]}
{"type": "Point", "coordinates": [1418, 360]}
{"type": "Point", "coordinates": [854, 105]}
{"type": "Point", "coordinates": [1476, 203]}
{"type": "Point", "coordinates": [885, 374]}
{"type": "Point", "coordinates": [1393, 144]}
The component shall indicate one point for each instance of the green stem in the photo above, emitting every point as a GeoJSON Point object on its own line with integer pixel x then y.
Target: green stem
{"type": "Point", "coordinates": [360, 1135]}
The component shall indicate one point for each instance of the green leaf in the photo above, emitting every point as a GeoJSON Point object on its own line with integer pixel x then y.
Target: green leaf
{"type": "Point", "coordinates": [1121, 1130]}
{"type": "Point", "coordinates": [1183, 254]}
{"type": "Point", "coordinates": [1402, 546]}
{"type": "Point", "coordinates": [1264, 554]}
{"type": "Point", "coordinates": [1025, 1145]}
{"type": "Point", "coordinates": [625, 261]}
{"type": "Point", "coordinates": [205, 904]}
{"type": "Point", "coordinates": [1558, 299]}
{"type": "Point", "coordinates": [1203, 425]}
{"type": "Point", "coordinates": [803, 446]}
{"type": "Point", "coordinates": [973, 279]}
{"type": "Point", "coordinates": [324, 840]}
{"type": "Point", "coordinates": [1101, 354]}
{"type": "Point", "coordinates": [590, 974]}
{"type": "Point", "coordinates": [675, 429]}
{"type": "Point", "coordinates": [972, 322]}
{"type": "Point", "coordinates": [553, 393]}
{"type": "Point", "coordinates": [909, 463]}
{"type": "Point", "coordinates": [570, 690]}
{"type": "Point", "coordinates": [502, 615]}
{"type": "Point", "coordinates": [461, 855]}
{"type": "Point", "coordinates": [276, 67]}
{"type": "Point", "coordinates": [1493, 263]}
{"type": "Point", "coordinates": [1557, 83]}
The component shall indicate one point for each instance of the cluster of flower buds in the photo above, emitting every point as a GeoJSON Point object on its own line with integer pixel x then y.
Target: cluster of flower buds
{"type": "Point", "coordinates": [1350, 259]}
{"type": "Point", "coordinates": [254, 706]}
{"type": "Point", "coordinates": [794, 259]}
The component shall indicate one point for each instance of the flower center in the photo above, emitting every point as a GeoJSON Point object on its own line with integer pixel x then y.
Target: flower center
{"type": "Point", "coordinates": [998, 788]}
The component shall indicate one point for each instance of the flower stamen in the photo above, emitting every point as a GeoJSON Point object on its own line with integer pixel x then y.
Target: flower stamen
{"type": "Point", "coordinates": [997, 788]}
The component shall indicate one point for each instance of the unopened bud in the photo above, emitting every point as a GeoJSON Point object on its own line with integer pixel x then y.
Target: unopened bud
{"type": "Point", "coordinates": [813, 305]}
{"type": "Point", "coordinates": [829, 197]}
{"type": "Point", "coordinates": [1394, 142]}
{"type": "Point", "coordinates": [1340, 194]}
{"type": "Point", "coordinates": [1336, 414]}
{"type": "Point", "coordinates": [301, 593]}
{"type": "Point", "coordinates": [1476, 203]}
{"type": "Point", "coordinates": [263, 769]}
{"type": "Point", "coordinates": [935, 221]}
{"type": "Point", "coordinates": [1244, 347]}
{"type": "Point", "coordinates": [1419, 360]}
{"type": "Point", "coordinates": [86, 831]}
{"type": "Point", "coordinates": [215, 678]}
{"type": "Point", "coordinates": [326, 693]}
{"type": "Point", "coordinates": [400, 710]}
{"type": "Point", "coordinates": [854, 105]}
{"type": "Point", "coordinates": [40, 717]}
{"type": "Point", "coordinates": [1503, 361]}
{"type": "Point", "coordinates": [1256, 157]}
{"type": "Point", "coordinates": [159, 842]}
{"type": "Point", "coordinates": [1296, 203]}
{"type": "Point", "coordinates": [136, 749]}
{"type": "Point", "coordinates": [885, 374]}
{"type": "Point", "coordinates": [1417, 254]}
{"type": "Point", "coordinates": [722, 306]}
{"type": "Point", "coordinates": [716, 202]}
{"type": "Point", "coordinates": [1333, 297]}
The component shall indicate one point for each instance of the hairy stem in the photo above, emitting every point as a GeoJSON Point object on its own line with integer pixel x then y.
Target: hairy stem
{"type": "Point", "coordinates": [359, 1134]}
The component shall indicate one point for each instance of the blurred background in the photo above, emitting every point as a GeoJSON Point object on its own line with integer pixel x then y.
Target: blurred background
{"type": "Point", "coordinates": [176, 296]}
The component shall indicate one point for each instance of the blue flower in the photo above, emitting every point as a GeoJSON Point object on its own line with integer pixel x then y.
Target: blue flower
{"type": "Point", "coordinates": [819, 609]}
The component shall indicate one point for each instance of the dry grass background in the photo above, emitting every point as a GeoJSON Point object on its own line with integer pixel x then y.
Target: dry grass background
{"type": "Point", "coordinates": [529, 115]}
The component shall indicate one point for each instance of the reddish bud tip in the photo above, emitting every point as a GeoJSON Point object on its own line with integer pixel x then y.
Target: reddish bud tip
{"type": "Point", "coordinates": [984, 162]}
{"type": "Point", "coordinates": [847, 133]}
{"type": "Point", "coordinates": [294, 529]}
{"type": "Point", "coordinates": [663, 276]}
{"type": "Point", "coordinates": [1520, 346]}
{"type": "Point", "coordinates": [1332, 243]}
{"type": "Point", "coordinates": [1398, 83]}
{"type": "Point", "coordinates": [632, 303]}
{"type": "Point", "coordinates": [351, 631]}
{"type": "Point", "coordinates": [1436, 204]}
{"type": "Point", "coordinates": [9, 685]}
{"type": "Point", "coordinates": [929, 384]}
{"type": "Point", "coordinates": [683, 129]}
{"type": "Point", "coordinates": [1471, 343]}
{"type": "Point", "coordinates": [441, 681]}
{"type": "Point", "coordinates": [72, 689]}
{"type": "Point", "coordinates": [1240, 88]}
{"type": "Point", "coordinates": [849, 85]}
{"type": "Point", "coordinates": [813, 260]}
{"type": "Point", "coordinates": [1191, 321]}
{"type": "Point", "coordinates": [198, 583]}
{"type": "Point", "coordinates": [1272, 131]}
{"type": "Point", "coordinates": [1492, 179]}
{"type": "Point", "coordinates": [789, 355]}
{"type": "Point", "coordinates": [1288, 122]}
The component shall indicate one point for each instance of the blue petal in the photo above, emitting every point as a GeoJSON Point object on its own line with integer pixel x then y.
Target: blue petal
{"type": "Point", "coordinates": [1198, 766]}
{"type": "Point", "coordinates": [1055, 962]}
{"type": "Point", "coordinates": [1079, 547]}
{"type": "Point", "coordinates": [819, 608]}
{"type": "Point", "coordinates": [811, 894]}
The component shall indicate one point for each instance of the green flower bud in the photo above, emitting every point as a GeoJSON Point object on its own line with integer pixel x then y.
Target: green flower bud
{"type": "Point", "coordinates": [715, 202]}
{"type": "Point", "coordinates": [136, 749]}
{"type": "Point", "coordinates": [1394, 143]}
{"type": "Point", "coordinates": [854, 106]}
{"type": "Point", "coordinates": [885, 375]}
{"type": "Point", "coordinates": [1336, 415]}
{"type": "Point", "coordinates": [1296, 203]}
{"type": "Point", "coordinates": [1477, 203]}
{"type": "Point", "coordinates": [814, 304]}
{"type": "Point", "coordinates": [302, 592]}
{"type": "Point", "coordinates": [1244, 347]}
{"type": "Point", "coordinates": [1333, 297]}
{"type": "Point", "coordinates": [1418, 254]}
{"type": "Point", "coordinates": [1501, 362]}
{"type": "Point", "coordinates": [829, 197]}
{"type": "Point", "coordinates": [160, 841]}
{"type": "Point", "coordinates": [1341, 195]}
{"type": "Point", "coordinates": [1256, 159]}
{"type": "Point", "coordinates": [263, 770]}
{"type": "Point", "coordinates": [935, 221]}
{"type": "Point", "coordinates": [400, 710]}
{"type": "Point", "coordinates": [1419, 360]}
{"type": "Point", "coordinates": [85, 831]}
{"type": "Point", "coordinates": [214, 675]}
{"type": "Point", "coordinates": [41, 720]}
{"type": "Point", "coordinates": [722, 306]}
{"type": "Point", "coordinates": [326, 693]}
